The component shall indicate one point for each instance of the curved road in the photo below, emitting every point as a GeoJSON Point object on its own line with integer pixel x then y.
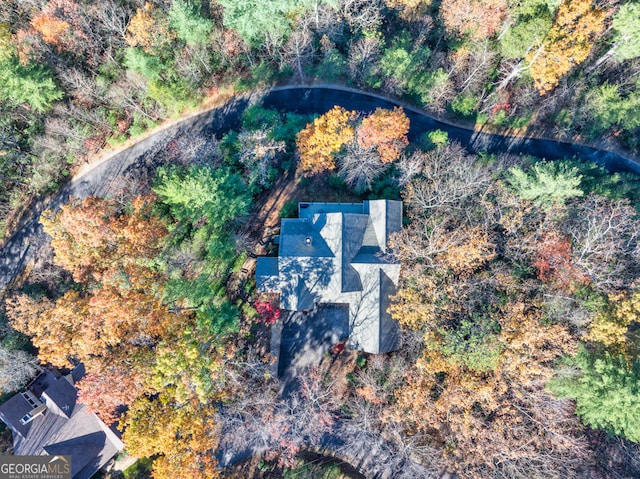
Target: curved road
{"type": "Point", "coordinates": [29, 240]}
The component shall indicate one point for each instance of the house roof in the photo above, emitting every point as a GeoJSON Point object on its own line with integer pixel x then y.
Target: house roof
{"type": "Point", "coordinates": [66, 427]}
{"type": "Point", "coordinates": [334, 253]}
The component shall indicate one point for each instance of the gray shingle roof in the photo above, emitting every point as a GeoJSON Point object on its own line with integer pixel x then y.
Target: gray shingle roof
{"type": "Point", "coordinates": [332, 255]}
{"type": "Point", "coordinates": [65, 428]}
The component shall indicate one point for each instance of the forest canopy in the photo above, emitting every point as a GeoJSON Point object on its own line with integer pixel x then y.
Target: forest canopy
{"type": "Point", "coordinates": [519, 291]}
{"type": "Point", "coordinates": [518, 304]}
{"type": "Point", "coordinates": [78, 76]}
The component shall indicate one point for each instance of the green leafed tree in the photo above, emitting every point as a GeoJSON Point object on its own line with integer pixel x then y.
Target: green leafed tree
{"type": "Point", "coordinates": [533, 8]}
{"type": "Point", "coordinates": [522, 37]}
{"type": "Point", "coordinates": [6, 48]}
{"type": "Point", "coordinates": [606, 391]}
{"type": "Point", "coordinates": [141, 62]}
{"type": "Point", "coordinates": [201, 192]}
{"type": "Point", "coordinates": [255, 19]}
{"type": "Point", "coordinates": [546, 183]}
{"type": "Point", "coordinates": [406, 64]}
{"type": "Point", "coordinates": [606, 107]}
{"type": "Point", "coordinates": [473, 345]}
{"type": "Point", "coordinates": [626, 24]}
{"type": "Point", "coordinates": [31, 84]}
{"type": "Point", "coordinates": [188, 24]}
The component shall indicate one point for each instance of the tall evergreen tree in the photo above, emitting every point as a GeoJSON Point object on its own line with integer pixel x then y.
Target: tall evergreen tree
{"type": "Point", "coordinates": [606, 390]}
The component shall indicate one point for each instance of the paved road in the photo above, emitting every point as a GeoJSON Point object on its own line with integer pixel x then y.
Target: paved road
{"type": "Point", "coordinates": [29, 240]}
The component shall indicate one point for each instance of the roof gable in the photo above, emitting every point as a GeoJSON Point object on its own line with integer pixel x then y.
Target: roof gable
{"type": "Point", "coordinates": [60, 397]}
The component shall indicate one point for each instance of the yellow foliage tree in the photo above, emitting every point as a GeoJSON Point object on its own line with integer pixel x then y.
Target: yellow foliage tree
{"type": "Point", "coordinates": [147, 29]}
{"type": "Point", "coordinates": [473, 250]}
{"type": "Point", "coordinates": [410, 310]}
{"type": "Point", "coordinates": [611, 326]}
{"type": "Point", "coordinates": [319, 142]}
{"type": "Point", "coordinates": [54, 327]}
{"type": "Point", "coordinates": [577, 26]}
{"type": "Point", "coordinates": [6, 47]}
{"type": "Point", "coordinates": [182, 435]}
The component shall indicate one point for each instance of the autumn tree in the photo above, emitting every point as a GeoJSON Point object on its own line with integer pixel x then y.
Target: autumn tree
{"type": "Point", "coordinates": [108, 386]}
{"type": "Point", "coordinates": [93, 237]}
{"type": "Point", "coordinates": [614, 326]}
{"type": "Point", "coordinates": [66, 25]}
{"type": "Point", "coordinates": [553, 263]}
{"type": "Point", "coordinates": [450, 394]}
{"type": "Point", "coordinates": [478, 19]}
{"type": "Point", "coordinates": [53, 328]}
{"type": "Point", "coordinates": [118, 320]}
{"type": "Point", "coordinates": [148, 29]}
{"type": "Point", "coordinates": [51, 28]}
{"type": "Point", "coordinates": [576, 27]}
{"type": "Point", "coordinates": [182, 435]}
{"type": "Point", "coordinates": [319, 142]}
{"type": "Point", "coordinates": [477, 388]}
{"type": "Point", "coordinates": [267, 308]}
{"type": "Point", "coordinates": [386, 131]}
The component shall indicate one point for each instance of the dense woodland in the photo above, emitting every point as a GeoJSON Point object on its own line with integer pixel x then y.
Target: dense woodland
{"type": "Point", "coordinates": [519, 308]}
{"type": "Point", "coordinates": [78, 75]}
{"type": "Point", "coordinates": [519, 301]}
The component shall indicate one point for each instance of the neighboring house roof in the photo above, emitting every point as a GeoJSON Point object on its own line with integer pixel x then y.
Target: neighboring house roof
{"type": "Point", "coordinates": [60, 425]}
{"type": "Point", "coordinates": [336, 253]}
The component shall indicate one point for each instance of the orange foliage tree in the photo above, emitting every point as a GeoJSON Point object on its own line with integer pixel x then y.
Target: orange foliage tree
{"type": "Point", "coordinates": [577, 26]}
{"type": "Point", "coordinates": [117, 319]}
{"type": "Point", "coordinates": [51, 28]}
{"type": "Point", "coordinates": [488, 347]}
{"type": "Point", "coordinates": [319, 141]}
{"type": "Point", "coordinates": [553, 263]}
{"type": "Point", "coordinates": [65, 25]}
{"type": "Point", "coordinates": [386, 131]}
{"type": "Point", "coordinates": [479, 19]}
{"type": "Point", "coordinates": [93, 239]}
{"type": "Point", "coordinates": [108, 386]}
